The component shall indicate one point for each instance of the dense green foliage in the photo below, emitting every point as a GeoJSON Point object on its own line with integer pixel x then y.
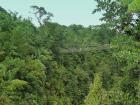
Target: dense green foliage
{"type": "Point", "coordinates": [133, 5]}
{"type": "Point", "coordinates": [71, 65]}
{"type": "Point", "coordinates": [118, 85]}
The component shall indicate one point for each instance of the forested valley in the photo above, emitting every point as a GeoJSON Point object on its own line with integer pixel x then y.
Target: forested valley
{"type": "Point", "coordinates": [53, 64]}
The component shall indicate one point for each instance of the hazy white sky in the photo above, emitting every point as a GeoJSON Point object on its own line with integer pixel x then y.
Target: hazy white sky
{"type": "Point", "coordinates": [65, 12]}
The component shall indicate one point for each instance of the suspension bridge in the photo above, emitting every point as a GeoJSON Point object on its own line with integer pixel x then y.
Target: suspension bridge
{"type": "Point", "coordinates": [79, 49]}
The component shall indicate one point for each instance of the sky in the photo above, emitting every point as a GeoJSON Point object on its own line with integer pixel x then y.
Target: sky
{"type": "Point", "coordinates": [66, 12]}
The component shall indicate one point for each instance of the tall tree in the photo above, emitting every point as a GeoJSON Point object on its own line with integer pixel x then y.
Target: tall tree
{"type": "Point", "coordinates": [114, 13]}
{"type": "Point", "coordinates": [40, 12]}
